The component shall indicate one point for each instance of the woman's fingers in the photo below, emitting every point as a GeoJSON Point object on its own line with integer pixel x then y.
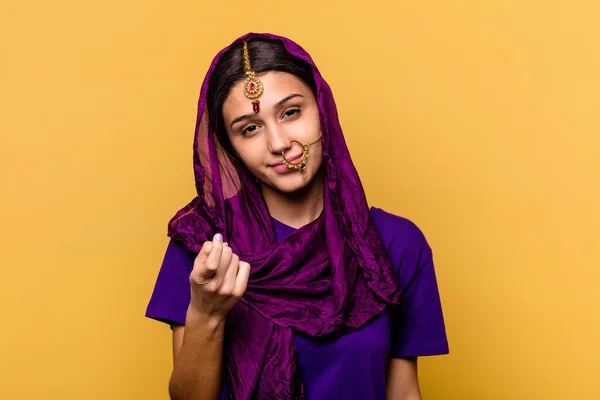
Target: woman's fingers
{"type": "Point", "coordinates": [207, 262]}
{"type": "Point", "coordinates": [224, 262]}
{"type": "Point", "coordinates": [214, 257]}
{"type": "Point", "coordinates": [219, 270]}
{"type": "Point", "coordinates": [229, 280]}
{"type": "Point", "coordinates": [241, 280]}
{"type": "Point", "coordinates": [200, 274]}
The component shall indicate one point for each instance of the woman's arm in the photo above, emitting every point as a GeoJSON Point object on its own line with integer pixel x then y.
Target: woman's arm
{"type": "Point", "coordinates": [218, 280]}
{"type": "Point", "coordinates": [402, 380]}
{"type": "Point", "coordinates": [197, 358]}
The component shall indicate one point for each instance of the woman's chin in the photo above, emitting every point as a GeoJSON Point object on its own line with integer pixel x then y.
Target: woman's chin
{"type": "Point", "coordinates": [289, 183]}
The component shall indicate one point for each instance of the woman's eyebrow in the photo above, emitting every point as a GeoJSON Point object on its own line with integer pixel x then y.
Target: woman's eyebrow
{"type": "Point", "coordinates": [240, 118]}
{"type": "Point", "coordinates": [286, 99]}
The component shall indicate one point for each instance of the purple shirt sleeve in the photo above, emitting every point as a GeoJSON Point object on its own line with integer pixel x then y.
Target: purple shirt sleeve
{"type": "Point", "coordinates": [418, 323]}
{"type": "Point", "coordinates": [171, 296]}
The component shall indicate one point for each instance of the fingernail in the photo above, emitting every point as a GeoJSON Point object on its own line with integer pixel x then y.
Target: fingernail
{"type": "Point", "coordinates": [219, 237]}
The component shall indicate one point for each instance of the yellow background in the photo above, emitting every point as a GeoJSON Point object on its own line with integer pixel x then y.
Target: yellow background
{"type": "Point", "coordinates": [478, 120]}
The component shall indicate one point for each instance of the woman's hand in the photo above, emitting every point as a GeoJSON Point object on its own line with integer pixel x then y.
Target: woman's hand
{"type": "Point", "coordinates": [218, 280]}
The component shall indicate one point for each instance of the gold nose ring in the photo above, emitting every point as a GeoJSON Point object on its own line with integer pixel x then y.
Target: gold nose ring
{"type": "Point", "coordinates": [300, 165]}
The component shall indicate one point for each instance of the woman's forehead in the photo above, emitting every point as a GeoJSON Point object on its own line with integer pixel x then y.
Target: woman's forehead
{"type": "Point", "coordinates": [277, 86]}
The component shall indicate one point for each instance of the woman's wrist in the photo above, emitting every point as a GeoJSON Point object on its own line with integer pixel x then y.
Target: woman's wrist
{"type": "Point", "coordinates": [200, 318]}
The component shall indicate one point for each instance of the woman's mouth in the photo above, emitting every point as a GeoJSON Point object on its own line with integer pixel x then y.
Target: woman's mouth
{"type": "Point", "coordinates": [280, 167]}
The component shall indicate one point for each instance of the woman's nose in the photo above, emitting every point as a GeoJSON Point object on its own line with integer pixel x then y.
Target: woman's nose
{"type": "Point", "coordinates": [278, 140]}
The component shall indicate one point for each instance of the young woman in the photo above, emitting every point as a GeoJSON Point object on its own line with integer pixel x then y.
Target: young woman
{"type": "Point", "coordinates": [279, 281]}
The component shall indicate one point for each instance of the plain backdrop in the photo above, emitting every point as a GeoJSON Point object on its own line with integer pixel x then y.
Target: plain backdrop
{"type": "Point", "coordinates": [478, 120]}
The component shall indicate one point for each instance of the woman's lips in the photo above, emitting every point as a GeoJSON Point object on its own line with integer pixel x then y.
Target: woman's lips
{"type": "Point", "coordinates": [281, 168]}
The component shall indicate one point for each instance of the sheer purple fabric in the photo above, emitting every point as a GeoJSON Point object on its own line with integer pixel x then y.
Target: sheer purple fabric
{"type": "Point", "coordinates": [327, 278]}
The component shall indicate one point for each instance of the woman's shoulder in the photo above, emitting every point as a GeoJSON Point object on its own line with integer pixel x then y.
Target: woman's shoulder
{"type": "Point", "coordinates": [399, 234]}
{"type": "Point", "coordinates": [396, 226]}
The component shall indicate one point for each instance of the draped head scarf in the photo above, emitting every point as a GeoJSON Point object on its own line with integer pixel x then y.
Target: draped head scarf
{"type": "Point", "coordinates": [326, 279]}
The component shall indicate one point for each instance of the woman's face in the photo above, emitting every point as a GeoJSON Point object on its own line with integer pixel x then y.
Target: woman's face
{"type": "Point", "coordinates": [288, 111]}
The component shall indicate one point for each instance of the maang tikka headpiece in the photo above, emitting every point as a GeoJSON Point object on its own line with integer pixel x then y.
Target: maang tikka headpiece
{"type": "Point", "coordinates": [253, 87]}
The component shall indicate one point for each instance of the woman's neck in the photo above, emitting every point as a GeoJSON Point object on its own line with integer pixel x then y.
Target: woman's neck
{"type": "Point", "coordinates": [299, 208]}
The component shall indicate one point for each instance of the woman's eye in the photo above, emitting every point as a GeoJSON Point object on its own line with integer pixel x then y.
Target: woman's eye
{"type": "Point", "coordinates": [249, 129]}
{"type": "Point", "coordinates": [291, 112]}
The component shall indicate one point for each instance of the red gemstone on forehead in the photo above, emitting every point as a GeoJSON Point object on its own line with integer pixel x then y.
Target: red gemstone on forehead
{"type": "Point", "coordinates": [251, 85]}
{"type": "Point", "coordinates": [256, 106]}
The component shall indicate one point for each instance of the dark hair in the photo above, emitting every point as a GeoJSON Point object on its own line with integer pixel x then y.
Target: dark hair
{"type": "Point", "coordinates": [265, 55]}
